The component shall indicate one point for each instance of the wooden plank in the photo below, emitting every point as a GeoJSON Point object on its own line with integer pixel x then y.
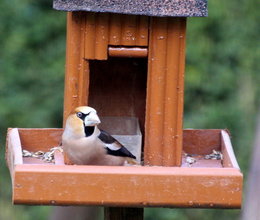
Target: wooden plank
{"type": "Point", "coordinates": [40, 138]}
{"type": "Point", "coordinates": [90, 35]}
{"type": "Point", "coordinates": [120, 30]}
{"type": "Point", "coordinates": [127, 186]}
{"type": "Point", "coordinates": [165, 91]}
{"type": "Point", "coordinates": [13, 153]}
{"type": "Point", "coordinates": [142, 31]}
{"type": "Point", "coordinates": [203, 185]}
{"type": "Point", "coordinates": [201, 141]}
{"type": "Point", "coordinates": [115, 29]}
{"type": "Point", "coordinates": [101, 38]}
{"type": "Point", "coordinates": [174, 91]}
{"type": "Point", "coordinates": [155, 92]}
{"type": "Point", "coordinates": [128, 30]}
{"type": "Point", "coordinates": [229, 159]}
{"type": "Point", "coordinates": [133, 52]}
{"type": "Point", "coordinates": [76, 77]}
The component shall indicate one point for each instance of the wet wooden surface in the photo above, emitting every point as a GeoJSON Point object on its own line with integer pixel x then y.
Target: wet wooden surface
{"type": "Point", "coordinates": [102, 29]}
{"type": "Point", "coordinates": [203, 184]}
{"type": "Point", "coordinates": [77, 69]}
{"type": "Point", "coordinates": [128, 52]}
{"type": "Point", "coordinates": [127, 186]}
{"type": "Point", "coordinates": [165, 91]}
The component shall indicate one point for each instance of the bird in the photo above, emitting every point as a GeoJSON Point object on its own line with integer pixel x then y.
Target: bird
{"type": "Point", "coordinates": [85, 144]}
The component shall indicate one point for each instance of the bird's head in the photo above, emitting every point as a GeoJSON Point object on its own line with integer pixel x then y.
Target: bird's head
{"type": "Point", "coordinates": [87, 115]}
{"type": "Point", "coordinates": [77, 122]}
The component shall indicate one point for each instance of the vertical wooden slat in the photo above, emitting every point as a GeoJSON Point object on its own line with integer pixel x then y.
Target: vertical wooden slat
{"type": "Point", "coordinates": [174, 91]}
{"type": "Point", "coordinates": [76, 77]}
{"type": "Point", "coordinates": [142, 31]}
{"type": "Point", "coordinates": [155, 91]}
{"type": "Point", "coordinates": [90, 36]}
{"type": "Point", "coordinates": [83, 78]}
{"type": "Point", "coordinates": [129, 27]}
{"type": "Point", "coordinates": [164, 109]}
{"type": "Point", "coordinates": [96, 36]}
{"type": "Point", "coordinates": [115, 29]}
{"type": "Point", "coordinates": [128, 30]}
{"type": "Point", "coordinates": [101, 37]}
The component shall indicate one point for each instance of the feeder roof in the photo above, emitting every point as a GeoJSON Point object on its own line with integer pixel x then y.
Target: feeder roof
{"type": "Point", "coordinates": [172, 8]}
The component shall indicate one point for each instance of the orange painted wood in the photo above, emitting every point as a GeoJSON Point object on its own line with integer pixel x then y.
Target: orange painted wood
{"type": "Point", "coordinates": [201, 141]}
{"type": "Point", "coordinates": [127, 186]}
{"type": "Point", "coordinates": [227, 151]}
{"type": "Point", "coordinates": [90, 35]}
{"type": "Point", "coordinates": [96, 36]}
{"type": "Point", "coordinates": [128, 52]}
{"type": "Point", "coordinates": [115, 29]}
{"type": "Point", "coordinates": [104, 29]}
{"type": "Point", "coordinates": [13, 150]}
{"type": "Point", "coordinates": [198, 186]}
{"type": "Point", "coordinates": [128, 30]}
{"type": "Point", "coordinates": [76, 77]}
{"type": "Point", "coordinates": [142, 31]}
{"type": "Point", "coordinates": [165, 91]}
{"type": "Point", "coordinates": [40, 138]}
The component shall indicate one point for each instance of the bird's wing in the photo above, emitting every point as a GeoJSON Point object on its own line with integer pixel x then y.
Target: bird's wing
{"type": "Point", "coordinates": [114, 147]}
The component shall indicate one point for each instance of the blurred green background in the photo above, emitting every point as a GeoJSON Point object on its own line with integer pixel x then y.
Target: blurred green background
{"type": "Point", "coordinates": [221, 85]}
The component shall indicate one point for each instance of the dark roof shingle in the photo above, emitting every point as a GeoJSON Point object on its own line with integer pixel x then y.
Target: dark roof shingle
{"type": "Point", "coordinates": [172, 8]}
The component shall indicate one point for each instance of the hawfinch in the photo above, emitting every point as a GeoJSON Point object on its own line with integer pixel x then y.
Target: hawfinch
{"type": "Point", "coordinates": [86, 144]}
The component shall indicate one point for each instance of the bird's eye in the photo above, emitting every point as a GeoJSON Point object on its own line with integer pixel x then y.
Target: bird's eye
{"type": "Point", "coordinates": [79, 114]}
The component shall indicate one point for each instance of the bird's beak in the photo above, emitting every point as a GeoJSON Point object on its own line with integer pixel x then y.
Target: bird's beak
{"type": "Point", "coordinates": [92, 120]}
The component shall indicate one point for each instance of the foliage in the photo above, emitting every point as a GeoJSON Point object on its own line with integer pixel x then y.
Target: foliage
{"type": "Point", "coordinates": [32, 56]}
{"type": "Point", "coordinates": [221, 87]}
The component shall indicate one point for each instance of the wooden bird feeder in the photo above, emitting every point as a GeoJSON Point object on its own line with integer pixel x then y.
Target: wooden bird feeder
{"type": "Point", "coordinates": [127, 59]}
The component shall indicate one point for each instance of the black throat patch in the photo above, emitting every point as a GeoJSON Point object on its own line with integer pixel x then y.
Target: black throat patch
{"type": "Point", "coordinates": [89, 130]}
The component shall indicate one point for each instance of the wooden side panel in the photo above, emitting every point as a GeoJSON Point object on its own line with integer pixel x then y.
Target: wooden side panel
{"type": "Point", "coordinates": [128, 30]}
{"type": "Point", "coordinates": [142, 31]}
{"type": "Point", "coordinates": [104, 29]}
{"type": "Point", "coordinates": [165, 91]}
{"type": "Point", "coordinates": [90, 35]}
{"type": "Point", "coordinates": [201, 141]}
{"type": "Point", "coordinates": [76, 77]}
{"type": "Point", "coordinates": [13, 153]}
{"type": "Point", "coordinates": [39, 138]}
{"type": "Point", "coordinates": [138, 186]}
{"type": "Point", "coordinates": [229, 159]}
{"type": "Point", "coordinates": [96, 36]}
{"type": "Point", "coordinates": [115, 29]}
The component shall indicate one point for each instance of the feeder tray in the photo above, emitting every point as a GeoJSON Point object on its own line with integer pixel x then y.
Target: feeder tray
{"type": "Point", "coordinates": [205, 183]}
